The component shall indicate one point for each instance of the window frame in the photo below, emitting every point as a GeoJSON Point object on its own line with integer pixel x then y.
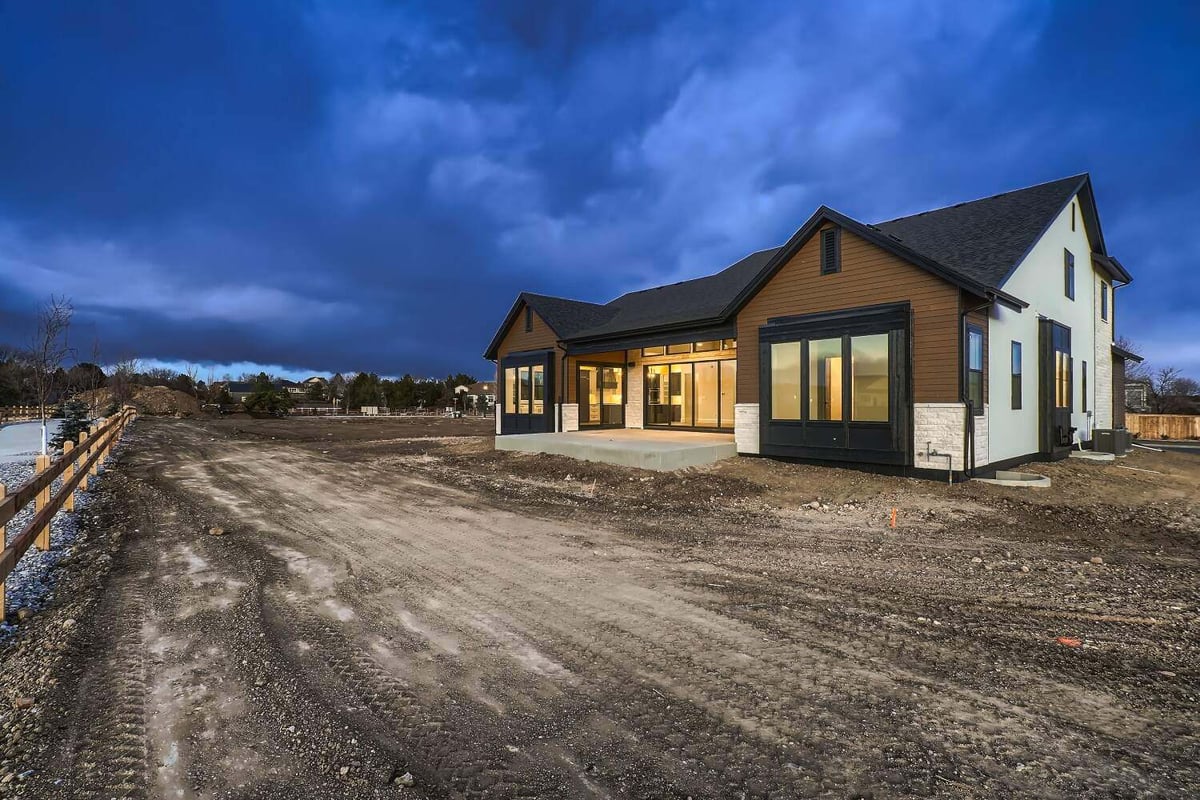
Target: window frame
{"type": "Point", "coordinates": [831, 262]}
{"type": "Point", "coordinates": [1083, 398]}
{"type": "Point", "coordinates": [1068, 274]}
{"type": "Point", "coordinates": [1016, 367]}
{"type": "Point", "coordinates": [968, 370]}
{"type": "Point", "coordinates": [1104, 300]}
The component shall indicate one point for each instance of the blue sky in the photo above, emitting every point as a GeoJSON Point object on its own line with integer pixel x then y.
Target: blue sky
{"type": "Point", "coordinates": [332, 186]}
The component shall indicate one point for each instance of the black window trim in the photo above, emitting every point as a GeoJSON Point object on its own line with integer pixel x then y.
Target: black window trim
{"type": "Point", "coordinates": [1068, 274]}
{"type": "Point", "coordinates": [1017, 368]}
{"type": "Point", "coordinates": [1104, 301]}
{"type": "Point", "coordinates": [973, 328]}
{"type": "Point", "coordinates": [831, 264]}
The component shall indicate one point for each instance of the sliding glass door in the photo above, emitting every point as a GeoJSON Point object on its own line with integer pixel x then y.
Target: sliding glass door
{"type": "Point", "coordinates": [696, 394]}
{"type": "Point", "coordinates": [601, 395]}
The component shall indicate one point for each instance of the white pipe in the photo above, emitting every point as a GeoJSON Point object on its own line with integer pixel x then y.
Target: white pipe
{"type": "Point", "coordinates": [1144, 447]}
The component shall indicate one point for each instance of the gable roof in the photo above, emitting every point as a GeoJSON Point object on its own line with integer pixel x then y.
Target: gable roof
{"type": "Point", "coordinates": [987, 239]}
{"type": "Point", "coordinates": [975, 245]}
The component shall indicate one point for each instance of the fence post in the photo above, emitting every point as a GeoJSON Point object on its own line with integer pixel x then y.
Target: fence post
{"type": "Point", "coordinates": [43, 500]}
{"type": "Point", "coordinates": [68, 453]}
{"type": "Point", "coordinates": [83, 444]}
{"type": "Point", "coordinates": [4, 541]}
{"type": "Point", "coordinates": [92, 435]}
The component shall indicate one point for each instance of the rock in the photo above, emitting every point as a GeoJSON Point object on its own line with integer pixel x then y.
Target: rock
{"type": "Point", "coordinates": [1096, 560]}
{"type": "Point", "coordinates": [976, 560]}
{"type": "Point", "coordinates": [815, 505]}
{"type": "Point", "coordinates": [23, 702]}
{"type": "Point", "coordinates": [344, 771]}
{"type": "Point", "coordinates": [1166, 673]}
{"type": "Point", "coordinates": [406, 779]}
{"type": "Point", "coordinates": [1024, 568]}
{"type": "Point", "coordinates": [68, 623]}
{"type": "Point", "coordinates": [216, 531]}
{"type": "Point", "coordinates": [24, 613]}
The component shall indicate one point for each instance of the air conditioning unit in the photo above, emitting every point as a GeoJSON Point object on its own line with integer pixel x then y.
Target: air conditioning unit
{"type": "Point", "coordinates": [1117, 441]}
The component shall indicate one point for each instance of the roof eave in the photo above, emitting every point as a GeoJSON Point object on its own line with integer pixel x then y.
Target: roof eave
{"type": "Point", "coordinates": [1128, 355]}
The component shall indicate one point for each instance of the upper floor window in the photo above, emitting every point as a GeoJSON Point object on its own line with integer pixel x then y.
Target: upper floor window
{"type": "Point", "coordinates": [1072, 216]}
{"type": "Point", "coordinates": [831, 251]}
{"type": "Point", "coordinates": [528, 319]}
{"type": "Point", "coordinates": [1069, 274]}
{"type": "Point", "coordinates": [975, 368]}
{"type": "Point", "coordinates": [1104, 301]}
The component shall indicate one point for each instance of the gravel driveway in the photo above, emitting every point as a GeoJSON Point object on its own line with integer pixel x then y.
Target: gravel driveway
{"type": "Point", "coordinates": [363, 631]}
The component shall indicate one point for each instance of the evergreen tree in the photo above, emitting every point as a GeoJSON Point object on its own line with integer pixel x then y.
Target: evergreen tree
{"type": "Point", "coordinates": [76, 420]}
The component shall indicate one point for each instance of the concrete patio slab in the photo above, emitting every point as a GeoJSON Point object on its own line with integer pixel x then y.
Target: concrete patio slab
{"type": "Point", "coordinates": [663, 451]}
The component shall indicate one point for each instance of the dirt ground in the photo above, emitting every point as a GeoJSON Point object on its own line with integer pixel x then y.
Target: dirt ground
{"type": "Point", "coordinates": [396, 610]}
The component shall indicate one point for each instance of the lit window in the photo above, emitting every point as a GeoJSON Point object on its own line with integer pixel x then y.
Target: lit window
{"type": "Point", "coordinates": [869, 378]}
{"type": "Point", "coordinates": [653, 351]}
{"type": "Point", "coordinates": [825, 379]}
{"type": "Point", "coordinates": [707, 347]}
{"type": "Point", "coordinates": [785, 380]}
{"type": "Point", "coordinates": [679, 349]}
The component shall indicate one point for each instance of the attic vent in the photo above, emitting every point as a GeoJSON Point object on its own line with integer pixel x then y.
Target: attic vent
{"type": "Point", "coordinates": [831, 251]}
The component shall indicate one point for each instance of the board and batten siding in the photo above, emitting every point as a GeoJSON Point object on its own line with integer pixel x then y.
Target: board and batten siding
{"type": "Point", "coordinates": [869, 276]}
{"type": "Point", "coordinates": [517, 340]}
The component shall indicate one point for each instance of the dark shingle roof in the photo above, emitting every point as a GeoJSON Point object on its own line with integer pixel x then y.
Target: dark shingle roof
{"type": "Point", "coordinates": [676, 303]}
{"type": "Point", "coordinates": [984, 240]}
{"type": "Point", "coordinates": [566, 317]}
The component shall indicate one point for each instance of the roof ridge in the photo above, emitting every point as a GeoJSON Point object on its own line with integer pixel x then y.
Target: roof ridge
{"type": "Point", "coordinates": [564, 299]}
{"type": "Point", "coordinates": [1078, 177]}
{"type": "Point", "coordinates": [698, 278]}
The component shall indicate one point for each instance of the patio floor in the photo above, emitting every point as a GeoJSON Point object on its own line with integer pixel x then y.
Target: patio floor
{"type": "Point", "coordinates": [628, 447]}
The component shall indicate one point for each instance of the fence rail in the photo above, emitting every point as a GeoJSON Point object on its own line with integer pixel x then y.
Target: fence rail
{"type": "Point", "coordinates": [1164, 426]}
{"type": "Point", "coordinates": [74, 465]}
{"type": "Point", "coordinates": [18, 414]}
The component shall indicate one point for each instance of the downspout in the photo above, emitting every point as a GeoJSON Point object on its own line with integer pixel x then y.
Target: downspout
{"type": "Point", "coordinates": [964, 391]}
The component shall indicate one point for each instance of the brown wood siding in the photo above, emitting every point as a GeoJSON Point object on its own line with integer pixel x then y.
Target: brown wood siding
{"type": "Point", "coordinates": [1118, 392]}
{"type": "Point", "coordinates": [517, 340]}
{"type": "Point", "coordinates": [869, 276]}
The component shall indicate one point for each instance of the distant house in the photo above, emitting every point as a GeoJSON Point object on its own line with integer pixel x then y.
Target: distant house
{"type": "Point", "coordinates": [238, 390]}
{"type": "Point", "coordinates": [482, 392]}
{"type": "Point", "coordinates": [1137, 396]}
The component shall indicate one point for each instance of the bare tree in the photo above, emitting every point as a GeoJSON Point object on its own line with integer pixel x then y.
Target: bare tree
{"type": "Point", "coordinates": [192, 371]}
{"type": "Point", "coordinates": [1171, 392]}
{"type": "Point", "coordinates": [121, 381]}
{"type": "Point", "coordinates": [1134, 370]}
{"type": "Point", "coordinates": [48, 350]}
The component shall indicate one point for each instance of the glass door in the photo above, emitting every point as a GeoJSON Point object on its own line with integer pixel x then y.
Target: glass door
{"type": "Point", "coordinates": [601, 395]}
{"type": "Point", "coordinates": [697, 394]}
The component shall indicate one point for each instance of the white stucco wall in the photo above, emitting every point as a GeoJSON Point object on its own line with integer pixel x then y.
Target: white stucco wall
{"type": "Point", "coordinates": [745, 427]}
{"type": "Point", "coordinates": [1038, 280]}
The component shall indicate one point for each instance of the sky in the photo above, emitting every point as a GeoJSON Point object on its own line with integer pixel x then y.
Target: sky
{"type": "Point", "coordinates": [317, 187]}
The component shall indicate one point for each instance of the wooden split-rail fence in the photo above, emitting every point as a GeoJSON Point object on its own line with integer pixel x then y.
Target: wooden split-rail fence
{"type": "Point", "coordinates": [18, 414]}
{"type": "Point", "coordinates": [75, 465]}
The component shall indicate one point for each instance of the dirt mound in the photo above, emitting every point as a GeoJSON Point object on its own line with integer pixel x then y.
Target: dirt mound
{"type": "Point", "coordinates": [159, 400]}
{"type": "Point", "coordinates": [99, 400]}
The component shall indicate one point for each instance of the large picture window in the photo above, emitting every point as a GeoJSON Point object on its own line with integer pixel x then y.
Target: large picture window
{"type": "Point", "coordinates": [825, 379]}
{"type": "Point", "coordinates": [523, 391]}
{"type": "Point", "coordinates": [539, 389]}
{"type": "Point", "coordinates": [785, 380]}
{"type": "Point", "coordinates": [510, 390]}
{"type": "Point", "coordinates": [869, 378]}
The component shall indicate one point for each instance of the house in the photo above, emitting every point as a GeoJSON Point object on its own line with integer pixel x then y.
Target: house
{"type": "Point", "coordinates": [1137, 396]}
{"type": "Point", "coordinates": [968, 338]}
{"type": "Point", "coordinates": [481, 395]}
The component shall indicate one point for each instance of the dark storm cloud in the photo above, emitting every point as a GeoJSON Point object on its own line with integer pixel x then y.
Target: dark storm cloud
{"type": "Point", "coordinates": [337, 187]}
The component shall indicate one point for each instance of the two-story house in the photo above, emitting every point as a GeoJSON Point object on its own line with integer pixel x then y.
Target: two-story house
{"type": "Point", "coordinates": [968, 338]}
